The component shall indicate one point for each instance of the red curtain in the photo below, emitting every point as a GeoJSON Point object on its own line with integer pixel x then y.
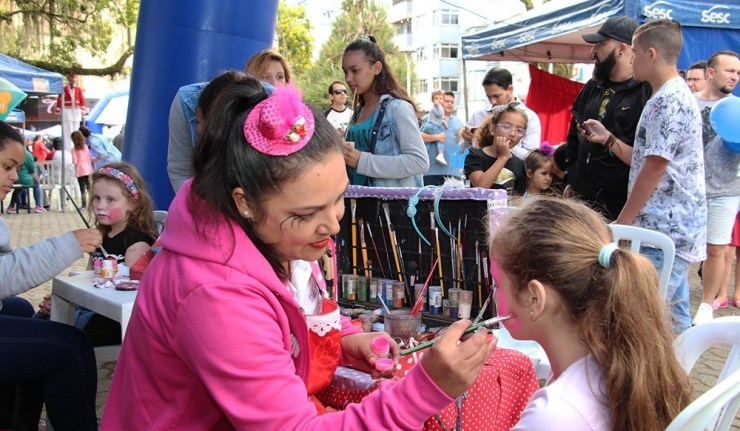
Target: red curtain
{"type": "Point", "coordinates": [551, 97]}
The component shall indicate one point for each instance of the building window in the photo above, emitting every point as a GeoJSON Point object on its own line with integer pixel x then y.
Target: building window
{"type": "Point", "coordinates": [423, 86]}
{"type": "Point", "coordinates": [422, 54]}
{"type": "Point", "coordinates": [446, 84]}
{"type": "Point", "coordinates": [446, 16]}
{"type": "Point", "coordinates": [446, 50]}
{"type": "Point", "coordinates": [404, 28]}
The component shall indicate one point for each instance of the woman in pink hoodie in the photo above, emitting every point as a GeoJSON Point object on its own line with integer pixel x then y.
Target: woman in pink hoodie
{"type": "Point", "coordinates": [231, 329]}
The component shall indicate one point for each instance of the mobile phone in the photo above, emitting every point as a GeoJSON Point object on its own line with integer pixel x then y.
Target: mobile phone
{"type": "Point", "coordinates": [579, 120]}
{"type": "Point", "coordinates": [473, 129]}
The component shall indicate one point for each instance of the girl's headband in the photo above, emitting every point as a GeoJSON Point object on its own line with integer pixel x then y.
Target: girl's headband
{"type": "Point", "coordinates": [281, 124]}
{"type": "Point", "coordinates": [120, 176]}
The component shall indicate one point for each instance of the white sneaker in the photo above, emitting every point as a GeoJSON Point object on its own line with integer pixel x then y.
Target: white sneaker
{"type": "Point", "coordinates": [704, 314]}
{"type": "Point", "coordinates": [441, 159]}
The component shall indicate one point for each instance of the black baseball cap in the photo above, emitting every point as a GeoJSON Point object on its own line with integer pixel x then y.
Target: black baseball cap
{"type": "Point", "coordinates": [619, 28]}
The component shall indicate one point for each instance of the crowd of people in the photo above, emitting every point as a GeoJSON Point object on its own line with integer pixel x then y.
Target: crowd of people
{"type": "Point", "coordinates": [232, 327]}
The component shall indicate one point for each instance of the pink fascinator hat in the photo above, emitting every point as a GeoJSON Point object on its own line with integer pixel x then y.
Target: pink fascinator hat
{"type": "Point", "coordinates": [281, 124]}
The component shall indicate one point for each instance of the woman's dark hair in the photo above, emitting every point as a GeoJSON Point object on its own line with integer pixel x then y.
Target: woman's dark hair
{"type": "Point", "coordinates": [213, 89]}
{"type": "Point", "coordinates": [559, 156]}
{"type": "Point", "coordinates": [8, 133]}
{"type": "Point", "coordinates": [223, 160]}
{"type": "Point", "coordinates": [385, 82]}
{"type": "Point", "coordinates": [78, 139]}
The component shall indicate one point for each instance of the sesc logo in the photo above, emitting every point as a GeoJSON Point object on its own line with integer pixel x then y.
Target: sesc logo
{"type": "Point", "coordinates": [714, 16]}
{"type": "Point", "coordinates": [658, 10]}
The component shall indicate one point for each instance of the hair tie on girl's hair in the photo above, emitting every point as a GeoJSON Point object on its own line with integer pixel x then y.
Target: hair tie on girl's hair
{"type": "Point", "coordinates": [120, 176]}
{"type": "Point", "coordinates": [547, 149]}
{"type": "Point", "coordinates": [281, 124]}
{"type": "Point", "coordinates": [605, 254]}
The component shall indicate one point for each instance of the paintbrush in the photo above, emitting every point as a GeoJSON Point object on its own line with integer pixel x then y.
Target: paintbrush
{"type": "Point", "coordinates": [84, 220]}
{"type": "Point", "coordinates": [420, 300]}
{"type": "Point", "coordinates": [488, 324]}
{"type": "Point", "coordinates": [363, 247]}
{"type": "Point", "coordinates": [375, 247]}
{"type": "Point", "coordinates": [385, 248]}
{"type": "Point", "coordinates": [392, 237]}
{"type": "Point", "coordinates": [353, 207]}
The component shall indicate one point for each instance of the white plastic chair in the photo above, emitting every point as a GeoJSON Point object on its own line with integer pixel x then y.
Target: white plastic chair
{"type": "Point", "coordinates": [160, 219]}
{"type": "Point", "coordinates": [640, 236]}
{"type": "Point", "coordinates": [51, 180]}
{"type": "Point", "coordinates": [719, 405]}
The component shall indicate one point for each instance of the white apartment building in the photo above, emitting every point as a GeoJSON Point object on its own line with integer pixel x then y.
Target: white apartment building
{"type": "Point", "coordinates": [430, 31]}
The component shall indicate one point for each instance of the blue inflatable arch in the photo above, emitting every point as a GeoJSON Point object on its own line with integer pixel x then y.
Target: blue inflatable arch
{"type": "Point", "coordinates": [180, 42]}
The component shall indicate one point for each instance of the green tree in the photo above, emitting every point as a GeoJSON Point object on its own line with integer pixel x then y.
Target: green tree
{"type": "Point", "coordinates": [53, 34]}
{"type": "Point", "coordinates": [357, 18]}
{"type": "Point", "coordinates": [294, 36]}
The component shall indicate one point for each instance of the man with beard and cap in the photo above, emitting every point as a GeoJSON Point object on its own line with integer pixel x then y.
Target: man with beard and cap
{"type": "Point", "coordinates": [598, 159]}
{"type": "Point", "coordinates": [722, 185]}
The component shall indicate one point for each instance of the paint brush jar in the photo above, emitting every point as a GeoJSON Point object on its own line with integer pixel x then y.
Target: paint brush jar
{"type": "Point", "coordinates": [465, 304]}
{"type": "Point", "coordinates": [362, 288]}
{"type": "Point", "coordinates": [435, 299]}
{"type": "Point", "coordinates": [402, 325]}
{"type": "Point", "coordinates": [349, 287]}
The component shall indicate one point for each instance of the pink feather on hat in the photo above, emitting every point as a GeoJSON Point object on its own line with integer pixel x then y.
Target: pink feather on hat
{"type": "Point", "coordinates": [281, 124]}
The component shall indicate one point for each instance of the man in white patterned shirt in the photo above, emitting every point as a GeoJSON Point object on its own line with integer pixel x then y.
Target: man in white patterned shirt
{"type": "Point", "coordinates": [666, 184]}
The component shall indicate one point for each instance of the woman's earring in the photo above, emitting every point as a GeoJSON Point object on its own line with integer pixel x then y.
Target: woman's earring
{"type": "Point", "coordinates": [531, 316]}
{"type": "Point", "coordinates": [246, 214]}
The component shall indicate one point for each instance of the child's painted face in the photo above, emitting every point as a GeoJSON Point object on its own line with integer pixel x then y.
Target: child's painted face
{"type": "Point", "coordinates": [300, 219]}
{"type": "Point", "coordinates": [11, 158]}
{"type": "Point", "coordinates": [359, 72]}
{"type": "Point", "coordinates": [438, 99]}
{"type": "Point", "coordinates": [506, 303]}
{"type": "Point", "coordinates": [110, 205]}
{"type": "Point", "coordinates": [541, 178]}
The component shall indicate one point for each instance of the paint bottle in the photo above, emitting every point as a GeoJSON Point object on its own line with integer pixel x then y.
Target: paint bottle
{"type": "Point", "coordinates": [435, 299]}
{"type": "Point", "coordinates": [399, 294]}
{"type": "Point", "coordinates": [97, 265]}
{"type": "Point", "coordinates": [106, 271]}
{"type": "Point", "coordinates": [382, 347]}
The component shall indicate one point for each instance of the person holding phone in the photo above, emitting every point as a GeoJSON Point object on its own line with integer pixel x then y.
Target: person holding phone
{"type": "Point", "coordinates": [599, 150]}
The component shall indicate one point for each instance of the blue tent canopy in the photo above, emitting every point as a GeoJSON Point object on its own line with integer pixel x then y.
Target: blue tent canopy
{"type": "Point", "coordinates": [30, 79]}
{"type": "Point", "coordinates": [552, 32]}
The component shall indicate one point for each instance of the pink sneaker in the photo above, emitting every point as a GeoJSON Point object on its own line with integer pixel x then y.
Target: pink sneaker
{"type": "Point", "coordinates": [11, 210]}
{"type": "Point", "coordinates": [39, 210]}
{"type": "Point", "coordinates": [716, 305]}
{"type": "Point", "coordinates": [736, 302]}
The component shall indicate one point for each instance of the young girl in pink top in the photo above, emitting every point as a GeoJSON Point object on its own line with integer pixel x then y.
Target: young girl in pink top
{"type": "Point", "coordinates": [231, 327]}
{"type": "Point", "coordinates": [596, 310]}
{"type": "Point", "coordinates": [83, 163]}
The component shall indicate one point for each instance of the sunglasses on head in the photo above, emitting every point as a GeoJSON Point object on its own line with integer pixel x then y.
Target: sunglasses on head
{"type": "Point", "coordinates": [343, 90]}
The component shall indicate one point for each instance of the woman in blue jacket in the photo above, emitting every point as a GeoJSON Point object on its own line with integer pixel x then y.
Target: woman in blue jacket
{"type": "Point", "coordinates": [388, 150]}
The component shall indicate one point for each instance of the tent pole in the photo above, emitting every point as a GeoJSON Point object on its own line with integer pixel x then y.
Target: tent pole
{"type": "Point", "coordinates": [64, 149]}
{"type": "Point", "coordinates": [465, 89]}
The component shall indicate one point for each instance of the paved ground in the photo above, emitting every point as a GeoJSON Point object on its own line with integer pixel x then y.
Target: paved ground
{"type": "Point", "coordinates": [28, 228]}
